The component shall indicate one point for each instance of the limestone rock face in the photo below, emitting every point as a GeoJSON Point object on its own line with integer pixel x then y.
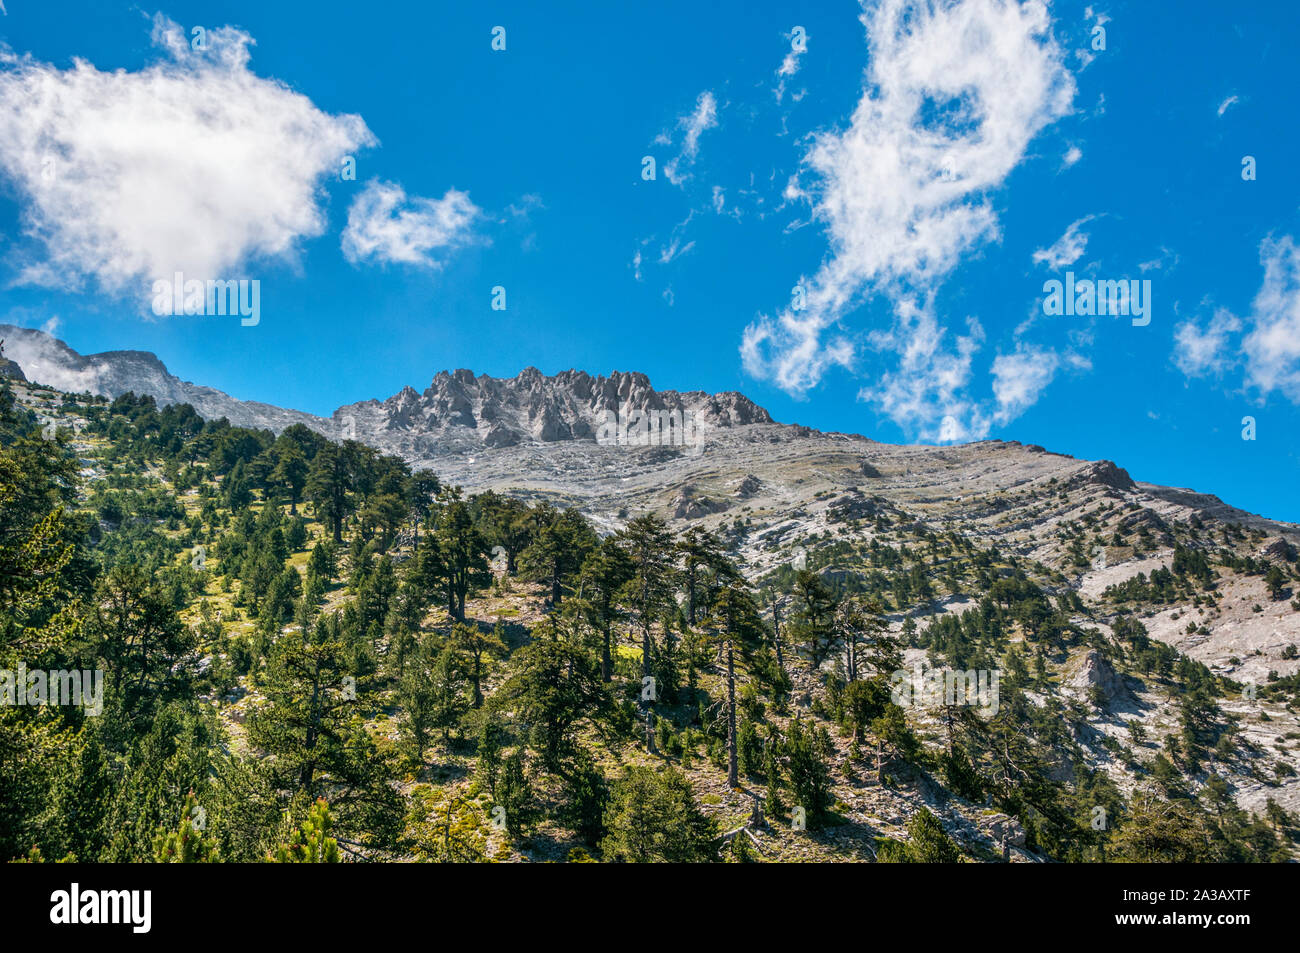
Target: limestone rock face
{"type": "Point", "coordinates": [1278, 550]}
{"type": "Point", "coordinates": [1102, 473]}
{"type": "Point", "coordinates": [1003, 829]}
{"type": "Point", "coordinates": [458, 412]}
{"type": "Point", "coordinates": [10, 370]}
{"type": "Point", "coordinates": [1094, 671]}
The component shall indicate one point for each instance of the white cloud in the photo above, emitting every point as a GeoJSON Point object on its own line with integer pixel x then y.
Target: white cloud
{"type": "Point", "coordinates": [193, 164]}
{"type": "Point", "coordinates": [1272, 347]}
{"type": "Point", "coordinates": [1168, 259]}
{"type": "Point", "coordinates": [1019, 378]}
{"type": "Point", "coordinates": [954, 93]}
{"type": "Point", "coordinates": [695, 123]}
{"type": "Point", "coordinates": [1227, 104]}
{"type": "Point", "coordinates": [1269, 351]}
{"type": "Point", "coordinates": [925, 393]}
{"type": "Point", "coordinates": [674, 249]}
{"type": "Point", "coordinates": [1067, 249]}
{"type": "Point", "coordinates": [1198, 352]}
{"type": "Point", "coordinates": [384, 225]}
{"type": "Point", "coordinates": [524, 208]}
{"type": "Point", "coordinates": [1072, 155]}
{"type": "Point", "coordinates": [790, 65]}
{"type": "Point", "coordinates": [1094, 19]}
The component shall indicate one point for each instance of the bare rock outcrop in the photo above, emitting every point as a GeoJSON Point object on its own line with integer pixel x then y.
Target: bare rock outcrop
{"type": "Point", "coordinates": [1101, 473]}
{"type": "Point", "coordinates": [1094, 677]}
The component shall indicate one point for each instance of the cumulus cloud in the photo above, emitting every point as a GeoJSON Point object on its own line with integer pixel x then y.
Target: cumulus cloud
{"type": "Point", "coordinates": [954, 93]}
{"type": "Point", "coordinates": [1199, 352]}
{"type": "Point", "coordinates": [694, 124]}
{"type": "Point", "coordinates": [1067, 249]}
{"type": "Point", "coordinates": [1265, 343]}
{"type": "Point", "coordinates": [1019, 378]}
{"type": "Point", "coordinates": [1272, 348]}
{"type": "Point", "coordinates": [193, 164]}
{"type": "Point", "coordinates": [384, 225]}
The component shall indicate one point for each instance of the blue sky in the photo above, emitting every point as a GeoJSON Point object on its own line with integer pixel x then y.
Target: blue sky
{"type": "Point", "coordinates": [918, 169]}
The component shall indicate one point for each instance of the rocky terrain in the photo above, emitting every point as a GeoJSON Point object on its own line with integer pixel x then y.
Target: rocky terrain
{"type": "Point", "coordinates": [778, 492]}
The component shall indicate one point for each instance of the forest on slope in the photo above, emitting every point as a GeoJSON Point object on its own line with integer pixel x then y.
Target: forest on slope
{"type": "Point", "coordinates": [311, 652]}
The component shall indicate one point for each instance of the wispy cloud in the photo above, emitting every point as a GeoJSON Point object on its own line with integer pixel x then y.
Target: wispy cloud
{"type": "Point", "coordinates": [904, 195]}
{"type": "Point", "coordinates": [1227, 104]}
{"type": "Point", "coordinates": [677, 245]}
{"type": "Point", "coordinates": [1094, 19]}
{"type": "Point", "coordinates": [1265, 343]}
{"type": "Point", "coordinates": [693, 125]}
{"type": "Point", "coordinates": [790, 64]}
{"type": "Point", "coordinates": [925, 391]}
{"type": "Point", "coordinates": [1067, 249]}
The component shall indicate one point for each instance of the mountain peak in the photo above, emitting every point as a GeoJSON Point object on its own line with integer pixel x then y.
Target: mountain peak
{"type": "Point", "coordinates": [458, 412]}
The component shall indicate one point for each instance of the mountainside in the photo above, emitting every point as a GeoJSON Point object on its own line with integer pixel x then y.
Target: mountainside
{"type": "Point", "coordinates": [932, 530]}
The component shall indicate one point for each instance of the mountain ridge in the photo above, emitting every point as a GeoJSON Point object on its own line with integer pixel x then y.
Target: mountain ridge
{"type": "Point", "coordinates": [542, 431]}
{"type": "Point", "coordinates": [484, 410]}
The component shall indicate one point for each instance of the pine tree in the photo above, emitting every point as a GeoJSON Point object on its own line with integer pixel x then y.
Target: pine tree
{"type": "Point", "coordinates": [810, 779]}
{"type": "Point", "coordinates": [312, 729]}
{"type": "Point", "coordinates": [475, 646]}
{"type": "Point", "coordinates": [738, 629]}
{"type": "Point", "coordinates": [604, 573]}
{"type": "Point", "coordinates": [330, 482]}
{"type": "Point", "coordinates": [653, 817]}
{"type": "Point", "coordinates": [462, 552]}
{"type": "Point", "coordinates": [310, 842]}
{"type": "Point", "coordinates": [190, 843]}
{"type": "Point", "coordinates": [772, 803]}
{"type": "Point", "coordinates": [515, 795]}
{"type": "Point", "coordinates": [560, 543]}
{"type": "Point", "coordinates": [814, 617]}
{"type": "Point", "coordinates": [927, 843]}
{"type": "Point", "coordinates": [648, 545]}
{"type": "Point", "coordinates": [704, 569]}
{"type": "Point", "coordinates": [1275, 580]}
